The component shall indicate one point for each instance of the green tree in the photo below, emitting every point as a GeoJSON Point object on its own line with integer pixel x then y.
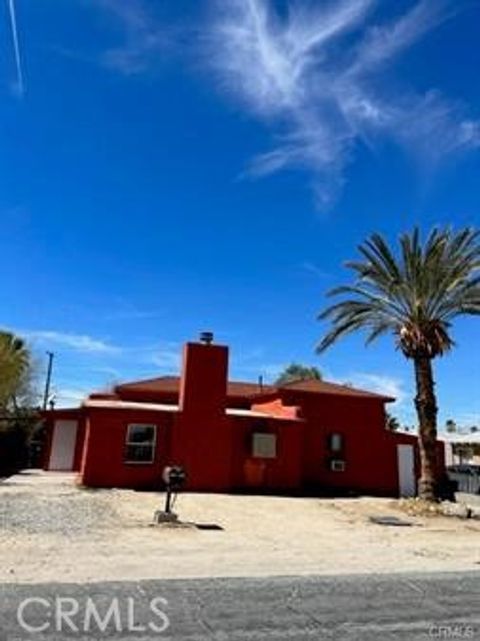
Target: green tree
{"type": "Point", "coordinates": [412, 294]}
{"type": "Point", "coordinates": [15, 370]}
{"type": "Point", "coordinates": [297, 372]}
{"type": "Point", "coordinates": [450, 425]}
{"type": "Point", "coordinates": [18, 419]}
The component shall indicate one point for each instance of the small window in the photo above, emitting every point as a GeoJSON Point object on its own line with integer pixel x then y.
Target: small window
{"type": "Point", "coordinates": [264, 445]}
{"type": "Point", "coordinates": [335, 442]}
{"type": "Point", "coordinates": [140, 443]}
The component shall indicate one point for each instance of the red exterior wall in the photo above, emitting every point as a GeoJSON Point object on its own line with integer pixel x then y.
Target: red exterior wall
{"type": "Point", "coordinates": [103, 461]}
{"type": "Point", "coordinates": [281, 473]}
{"type": "Point", "coordinates": [369, 452]}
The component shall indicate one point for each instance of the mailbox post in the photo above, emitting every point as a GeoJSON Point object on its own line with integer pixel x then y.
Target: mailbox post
{"type": "Point", "coordinates": [174, 478]}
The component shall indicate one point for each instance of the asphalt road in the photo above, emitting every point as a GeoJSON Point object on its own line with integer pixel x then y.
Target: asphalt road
{"type": "Point", "coordinates": [354, 608]}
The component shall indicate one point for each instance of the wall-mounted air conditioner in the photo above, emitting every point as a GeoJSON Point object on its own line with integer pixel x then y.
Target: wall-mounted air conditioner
{"type": "Point", "coordinates": [337, 465]}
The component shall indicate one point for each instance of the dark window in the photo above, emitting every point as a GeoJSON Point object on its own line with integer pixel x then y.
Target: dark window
{"type": "Point", "coordinates": [140, 443]}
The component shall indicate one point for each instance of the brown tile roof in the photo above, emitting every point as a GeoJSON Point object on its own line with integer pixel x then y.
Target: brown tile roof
{"type": "Point", "coordinates": [239, 389]}
{"type": "Point", "coordinates": [323, 387]}
{"type": "Point", "coordinates": [171, 384]}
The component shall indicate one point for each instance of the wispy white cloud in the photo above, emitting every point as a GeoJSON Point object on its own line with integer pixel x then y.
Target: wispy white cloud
{"type": "Point", "coordinates": [162, 354]}
{"type": "Point", "coordinates": [166, 357]}
{"type": "Point", "coordinates": [312, 268]}
{"type": "Point", "coordinates": [436, 127]}
{"type": "Point", "coordinates": [315, 74]}
{"type": "Point", "coordinates": [86, 364]}
{"type": "Point", "coordinates": [382, 43]}
{"type": "Point", "coordinates": [69, 396]}
{"type": "Point", "coordinates": [381, 384]}
{"type": "Point", "coordinates": [378, 383]}
{"type": "Point", "coordinates": [78, 342]}
{"type": "Point", "coordinates": [143, 38]}
{"type": "Point", "coordinates": [82, 368]}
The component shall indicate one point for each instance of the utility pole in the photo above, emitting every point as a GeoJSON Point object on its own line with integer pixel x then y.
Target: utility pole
{"type": "Point", "coordinates": [48, 380]}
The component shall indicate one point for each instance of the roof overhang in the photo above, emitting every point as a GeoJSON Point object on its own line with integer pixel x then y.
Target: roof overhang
{"type": "Point", "coordinates": [163, 407]}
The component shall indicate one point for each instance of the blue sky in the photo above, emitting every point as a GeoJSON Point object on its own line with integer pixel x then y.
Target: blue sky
{"type": "Point", "coordinates": [168, 167]}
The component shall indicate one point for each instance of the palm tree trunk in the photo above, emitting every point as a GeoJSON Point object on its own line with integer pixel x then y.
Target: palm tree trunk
{"type": "Point", "coordinates": [426, 406]}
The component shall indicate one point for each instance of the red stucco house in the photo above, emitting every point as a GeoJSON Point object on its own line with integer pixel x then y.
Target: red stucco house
{"type": "Point", "coordinates": [309, 436]}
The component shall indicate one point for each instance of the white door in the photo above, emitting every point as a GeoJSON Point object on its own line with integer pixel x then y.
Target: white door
{"type": "Point", "coordinates": [63, 445]}
{"type": "Point", "coordinates": [406, 470]}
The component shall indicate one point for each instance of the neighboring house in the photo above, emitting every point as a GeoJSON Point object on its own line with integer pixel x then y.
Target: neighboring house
{"type": "Point", "coordinates": [462, 459]}
{"type": "Point", "coordinates": [462, 448]}
{"type": "Point", "coordinates": [306, 436]}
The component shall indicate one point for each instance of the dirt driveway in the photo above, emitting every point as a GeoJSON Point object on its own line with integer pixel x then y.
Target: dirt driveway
{"type": "Point", "coordinates": [50, 530]}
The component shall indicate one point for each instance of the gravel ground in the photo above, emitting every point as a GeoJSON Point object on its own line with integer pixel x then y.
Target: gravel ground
{"type": "Point", "coordinates": [67, 514]}
{"type": "Point", "coordinates": [51, 530]}
{"type": "Point", "coordinates": [58, 507]}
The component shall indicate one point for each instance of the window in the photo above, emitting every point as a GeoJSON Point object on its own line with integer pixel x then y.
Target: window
{"type": "Point", "coordinates": [264, 445]}
{"type": "Point", "coordinates": [140, 443]}
{"type": "Point", "coordinates": [335, 442]}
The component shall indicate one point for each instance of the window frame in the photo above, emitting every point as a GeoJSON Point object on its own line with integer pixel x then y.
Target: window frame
{"type": "Point", "coordinates": [128, 443]}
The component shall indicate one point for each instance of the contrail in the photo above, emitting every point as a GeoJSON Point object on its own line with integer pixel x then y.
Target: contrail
{"type": "Point", "coordinates": [16, 47]}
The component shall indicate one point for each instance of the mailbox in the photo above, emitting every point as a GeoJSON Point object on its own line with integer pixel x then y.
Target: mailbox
{"type": "Point", "coordinates": [174, 477]}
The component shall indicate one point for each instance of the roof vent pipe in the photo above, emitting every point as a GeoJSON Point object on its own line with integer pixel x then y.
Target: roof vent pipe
{"type": "Point", "coordinates": [206, 338]}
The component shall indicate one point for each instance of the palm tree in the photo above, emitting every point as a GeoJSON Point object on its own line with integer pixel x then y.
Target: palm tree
{"type": "Point", "coordinates": [392, 423]}
{"type": "Point", "coordinates": [14, 367]}
{"type": "Point", "coordinates": [297, 372]}
{"type": "Point", "coordinates": [413, 295]}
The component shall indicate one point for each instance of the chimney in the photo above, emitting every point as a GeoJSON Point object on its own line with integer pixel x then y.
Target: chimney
{"type": "Point", "coordinates": [203, 384]}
